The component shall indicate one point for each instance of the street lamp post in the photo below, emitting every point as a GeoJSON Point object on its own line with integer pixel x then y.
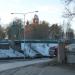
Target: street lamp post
{"type": "Point", "coordinates": [24, 14]}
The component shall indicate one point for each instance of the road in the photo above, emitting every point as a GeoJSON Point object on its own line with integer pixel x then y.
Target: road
{"type": "Point", "coordinates": [40, 69]}
{"type": "Point", "coordinates": [17, 64]}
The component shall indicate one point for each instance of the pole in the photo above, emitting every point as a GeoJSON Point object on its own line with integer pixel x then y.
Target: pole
{"type": "Point", "coordinates": [24, 38]}
{"type": "Point", "coordinates": [24, 28]}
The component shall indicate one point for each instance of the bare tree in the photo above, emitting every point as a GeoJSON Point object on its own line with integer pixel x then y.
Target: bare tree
{"type": "Point", "coordinates": [69, 13]}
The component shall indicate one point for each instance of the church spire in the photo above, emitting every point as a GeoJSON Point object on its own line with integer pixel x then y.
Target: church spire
{"type": "Point", "coordinates": [35, 19]}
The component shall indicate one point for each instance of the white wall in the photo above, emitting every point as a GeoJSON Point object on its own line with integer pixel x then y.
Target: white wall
{"type": "Point", "coordinates": [42, 48]}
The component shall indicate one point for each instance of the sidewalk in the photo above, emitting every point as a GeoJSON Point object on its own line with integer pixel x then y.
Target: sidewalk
{"type": "Point", "coordinates": [7, 66]}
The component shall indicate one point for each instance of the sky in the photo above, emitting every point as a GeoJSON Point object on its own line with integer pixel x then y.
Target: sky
{"type": "Point", "coordinates": [49, 10]}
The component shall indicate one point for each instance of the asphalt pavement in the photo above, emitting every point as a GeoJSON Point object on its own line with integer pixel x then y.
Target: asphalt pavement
{"type": "Point", "coordinates": [40, 69]}
{"type": "Point", "coordinates": [17, 64]}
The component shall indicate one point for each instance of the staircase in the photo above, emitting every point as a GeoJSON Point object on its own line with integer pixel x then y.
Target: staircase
{"type": "Point", "coordinates": [38, 53]}
{"type": "Point", "coordinates": [21, 51]}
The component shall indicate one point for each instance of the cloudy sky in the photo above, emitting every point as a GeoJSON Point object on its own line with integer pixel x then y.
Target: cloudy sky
{"type": "Point", "coordinates": [49, 10]}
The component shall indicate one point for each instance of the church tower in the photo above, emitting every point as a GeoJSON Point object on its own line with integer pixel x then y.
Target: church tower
{"type": "Point", "coordinates": [36, 19]}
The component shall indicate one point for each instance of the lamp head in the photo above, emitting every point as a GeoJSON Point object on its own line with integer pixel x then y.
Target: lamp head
{"type": "Point", "coordinates": [12, 13]}
{"type": "Point", "coordinates": [36, 11]}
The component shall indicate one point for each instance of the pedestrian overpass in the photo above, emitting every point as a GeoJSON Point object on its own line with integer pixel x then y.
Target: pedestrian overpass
{"type": "Point", "coordinates": [32, 48]}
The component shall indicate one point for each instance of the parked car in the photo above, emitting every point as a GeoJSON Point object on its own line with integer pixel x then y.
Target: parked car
{"type": "Point", "coordinates": [53, 51]}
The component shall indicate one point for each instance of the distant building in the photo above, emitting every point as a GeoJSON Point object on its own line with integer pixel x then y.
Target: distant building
{"type": "Point", "coordinates": [35, 19]}
{"type": "Point", "coordinates": [69, 34]}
